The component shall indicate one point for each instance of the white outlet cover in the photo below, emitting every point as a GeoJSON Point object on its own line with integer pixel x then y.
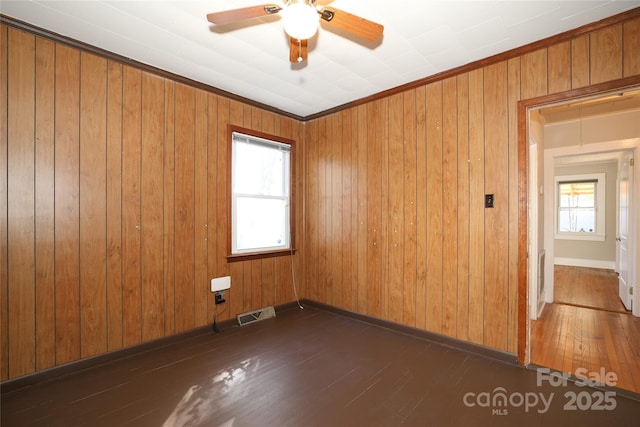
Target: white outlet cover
{"type": "Point", "coordinates": [220, 283]}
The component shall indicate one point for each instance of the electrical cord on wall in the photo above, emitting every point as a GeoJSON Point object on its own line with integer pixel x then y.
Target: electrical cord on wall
{"type": "Point", "coordinates": [293, 279]}
{"type": "Point", "coordinates": [215, 313]}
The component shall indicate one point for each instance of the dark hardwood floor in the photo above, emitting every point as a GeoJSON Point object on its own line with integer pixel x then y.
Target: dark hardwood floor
{"type": "Point", "coordinates": [588, 328]}
{"type": "Point", "coordinates": [310, 367]}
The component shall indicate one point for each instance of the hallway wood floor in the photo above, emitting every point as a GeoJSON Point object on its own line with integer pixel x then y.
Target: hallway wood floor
{"type": "Point", "coordinates": [569, 335]}
{"type": "Point", "coordinates": [304, 368]}
{"type": "Point", "coordinates": [587, 287]}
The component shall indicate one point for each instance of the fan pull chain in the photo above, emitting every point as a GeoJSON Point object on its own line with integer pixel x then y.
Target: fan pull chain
{"type": "Point", "coordinates": [299, 50]}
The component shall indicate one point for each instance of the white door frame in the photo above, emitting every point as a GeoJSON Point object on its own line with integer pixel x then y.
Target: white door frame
{"type": "Point", "coordinates": [534, 304]}
{"type": "Point", "coordinates": [631, 208]}
{"type": "Point", "coordinates": [632, 144]}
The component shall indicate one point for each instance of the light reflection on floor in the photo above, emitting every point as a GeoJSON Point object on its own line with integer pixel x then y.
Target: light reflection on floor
{"type": "Point", "coordinates": [200, 402]}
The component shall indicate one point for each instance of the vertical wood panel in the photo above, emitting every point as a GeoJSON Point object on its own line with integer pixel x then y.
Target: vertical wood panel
{"type": "Point", "coordinates": [222, 202]}
{"type": "Point", "coordinates": [114, 206]}
{"type": "Point", "coordinates": [311, 219]}
{"type": "Point", "coordinates": [350, 208]}
{"type": "Point", "coordinates": [631, 58]}
{"type": "Point", "coordinates": [185, 208]}
{"type": "Point", "coordinates": [560, 67]}
{"type": "Point", "coordinates": [384, 201]}
{"type": "Point", "coordinates": [421, 207]}
{"type": "Point", "coordinates": [580, 76]}
{"type": "Point", "coordinates": [375, 207]}
{"type": "Point", "coordinates": [268, 282]}
{"type": "Point", "coordinates": [214, 266]}
{"type": "Point", "coordinates": [247, 290]}
{"type": "Point", "coordinates": [449, 207]}
{"type": "Point", "coordinates": [337, 233]}
{"type": "Point", "coordinates": [476, 206]}
{"type": "Point", "coordinates": [363, 202]}
{"type": "Point", "coordinates": [152, 180]}
{"type": "Point", "coordinates": [324, 274]}
{"type": "Point", "coordinates": [45, 204]}
{"type": "Point", "coordinates": [93, 221]}
{"type": "Point", "coordinates": [513, 88]}
{"type": "Point", "coordinates": [534, 74]}
{"type": "Point", "coordinates": [169, 209]}
{"type": "Point", "coordinates": [496, 243]}
{"type": "Point", "coordinates": [410, 206]}
{"type": "Point", "coordinates": [395, 209]}
{"type": "Point", "coordinates": [462, 318]}
{"type": "Point", "coordinates": [67, 205]}
{"type": "Point", "coordinates": [4, 273]}
{"type": "Point", "coordinates": [21, 203]}
{"type": "Point", "coordinates": [606, 54]}
{"type": "Point", "coordinates": [253, 269]}
{"type": "Point", "coordinates": [434, 207]}
{"type": "Point", "coordinates": [131, 209]}
{"type": "Point", "coordinates": [202, 288]}
{"type": "Point", "coordinates": [297, 263]}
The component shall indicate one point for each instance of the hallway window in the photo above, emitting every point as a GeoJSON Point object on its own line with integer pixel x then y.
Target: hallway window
{"type": "Point", "coordinates": [580, 207]}
{"type": "Point", "coordinates": [261, 194]}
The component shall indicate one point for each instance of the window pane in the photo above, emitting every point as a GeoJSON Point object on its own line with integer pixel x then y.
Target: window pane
{"type": "Point", "coordinates": [577, 194]}
{"type": "Point", "coordinates": [261, 172]}
{"type": "Point", "coordinates": [577, 220]}
{"type": "Point", "coordinates": [577, 207]}
{"type": "Point", "coordinates": [261, 223]}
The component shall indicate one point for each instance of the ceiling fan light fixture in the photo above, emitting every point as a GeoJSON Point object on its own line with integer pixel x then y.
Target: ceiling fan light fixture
{"type": "Point", "coordinates": [300, 19]}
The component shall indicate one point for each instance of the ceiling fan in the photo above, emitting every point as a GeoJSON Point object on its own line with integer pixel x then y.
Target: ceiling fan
{"type": "Point", "coordinates": [301, 20]}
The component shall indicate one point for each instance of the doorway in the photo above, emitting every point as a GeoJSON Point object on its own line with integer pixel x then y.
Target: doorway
{"type": "Point", "coordinates": [600, 161]}
{"type": "Point", "coordinates": [543, 213]}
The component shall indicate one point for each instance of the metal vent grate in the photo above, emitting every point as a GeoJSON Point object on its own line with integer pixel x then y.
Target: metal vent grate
{"type": "Point", "coordinates": [256, 316]}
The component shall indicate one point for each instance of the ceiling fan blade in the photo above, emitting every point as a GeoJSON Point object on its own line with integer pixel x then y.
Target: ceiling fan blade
{"type": "Point", "coordinates": [235, 15]}
{"type": "Point", "coordinates": [350, 23]}
{"type": "Point", "coordinates": [298, 50]}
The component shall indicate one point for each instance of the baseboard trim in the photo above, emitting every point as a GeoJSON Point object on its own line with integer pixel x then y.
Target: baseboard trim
{"type": "Point", "coordinates": [14, 384]}
{"type": "Point", "coordinates": [83, 364]}
{"type": "Point", "coordinates": [591, 263]}
{"type": "Point", "coordinates": [420, 333]}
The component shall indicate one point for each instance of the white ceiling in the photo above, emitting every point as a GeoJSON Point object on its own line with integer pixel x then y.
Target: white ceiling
{"type": "Point", "coordinates": [421, 38]}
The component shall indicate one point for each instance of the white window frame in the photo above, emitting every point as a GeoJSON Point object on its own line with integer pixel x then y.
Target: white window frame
{"type": "Point", "coordinates": [246, 136]}
{"type": "Point", "coordinates": [600, 233]}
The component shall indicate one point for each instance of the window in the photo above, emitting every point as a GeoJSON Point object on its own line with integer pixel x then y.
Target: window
{"type": "Point", "coordinates": [261, 202]}
{"type": "Point", "coordinates": [580, 207]}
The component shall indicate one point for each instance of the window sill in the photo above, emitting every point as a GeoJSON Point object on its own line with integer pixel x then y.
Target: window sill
{"type": "Point", "coordinates": [581, 236]}
{"type": "Point", "coordinates": [259, 255]}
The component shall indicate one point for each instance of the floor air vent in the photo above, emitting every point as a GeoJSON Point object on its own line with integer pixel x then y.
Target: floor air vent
{"type": "Point", "coordinates": [256, 316]}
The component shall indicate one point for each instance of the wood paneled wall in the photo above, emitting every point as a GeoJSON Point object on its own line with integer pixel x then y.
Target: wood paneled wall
{"type": "Point", "coordinates": [395, 221]}
{"type": "Point", "coordinates": [116, 206]}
